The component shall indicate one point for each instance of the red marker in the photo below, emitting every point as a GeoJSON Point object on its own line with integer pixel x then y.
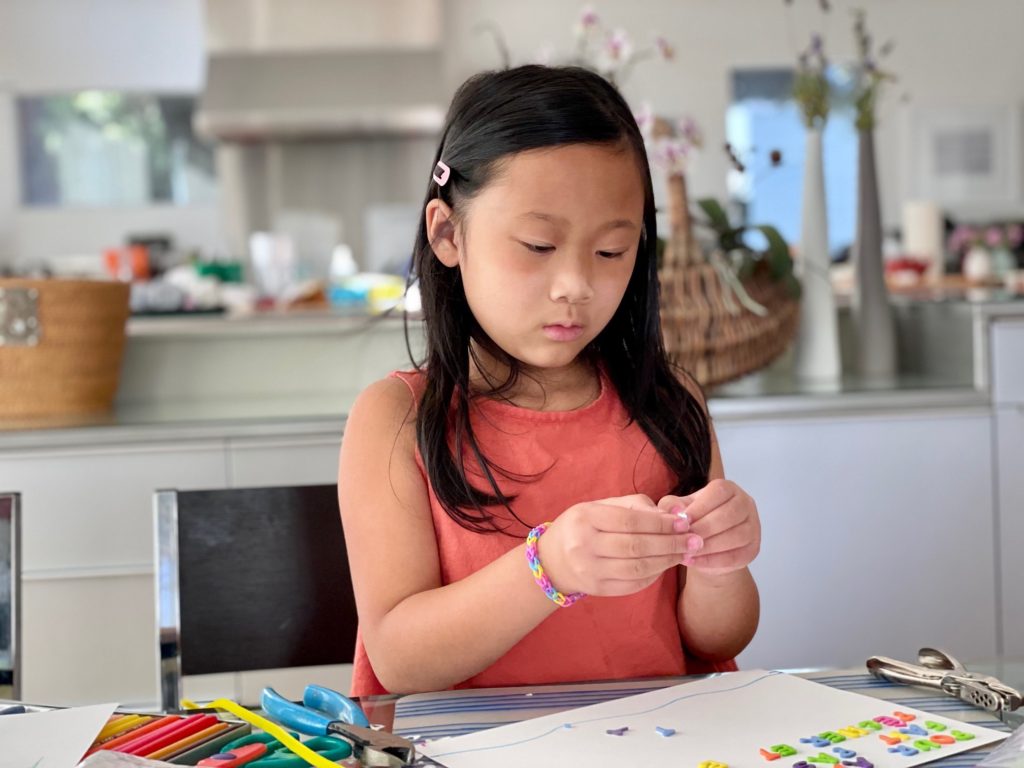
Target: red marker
{"type": "Point", "coordinates": [235, 757]}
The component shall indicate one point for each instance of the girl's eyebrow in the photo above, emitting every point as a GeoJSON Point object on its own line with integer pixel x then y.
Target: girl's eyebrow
{"type": "Point", "coordinates": [553, 219]}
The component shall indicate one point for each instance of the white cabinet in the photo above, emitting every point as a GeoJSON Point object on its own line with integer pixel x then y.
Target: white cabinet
{"type": "Point", "coordinates": [1007, 354]}
{"type": "Point", "coordinates": [90, 510]}
{"type": "Point", "coordinates": [1010, 543]}
{"type": "Point", "coordinates": [877, 535]}
{"type": "Point", "coordinates": [268, 462]}
{"type": "Point", "coordinates": [88, 614]}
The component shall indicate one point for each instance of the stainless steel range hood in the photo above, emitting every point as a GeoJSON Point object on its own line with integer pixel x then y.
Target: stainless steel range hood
{"type": "Point", "coordinates": [298, 69]}
{"type": "Point", "coordinates": [321, 94]}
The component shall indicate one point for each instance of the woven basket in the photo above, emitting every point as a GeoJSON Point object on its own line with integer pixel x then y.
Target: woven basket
{"type": "Point", "coordinates": [73, 365]}
{"type": "Point", "coordinates": [707, 327]}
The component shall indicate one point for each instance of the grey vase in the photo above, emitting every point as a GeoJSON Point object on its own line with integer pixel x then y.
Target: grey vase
{"type": "Point", "coordinates": [872, 313]}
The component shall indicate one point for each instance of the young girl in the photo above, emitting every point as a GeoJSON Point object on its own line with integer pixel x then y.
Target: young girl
{"type": "Point", "coordinates": [543, 500]}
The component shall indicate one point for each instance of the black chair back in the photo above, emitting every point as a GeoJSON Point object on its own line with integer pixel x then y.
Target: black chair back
{"type": "Point", "coordinates": [251, 579]}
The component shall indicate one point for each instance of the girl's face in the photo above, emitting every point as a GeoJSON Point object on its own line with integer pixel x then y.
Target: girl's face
{"type": "Point", "coordinates": [548, 247]}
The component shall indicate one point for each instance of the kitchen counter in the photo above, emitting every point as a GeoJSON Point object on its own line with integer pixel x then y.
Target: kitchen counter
{"type": "Point", "coordinates": [299, 373]}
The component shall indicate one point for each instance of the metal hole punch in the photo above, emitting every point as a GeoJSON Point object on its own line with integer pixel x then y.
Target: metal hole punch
{"type": "Point", "coordinates": [941, 670]}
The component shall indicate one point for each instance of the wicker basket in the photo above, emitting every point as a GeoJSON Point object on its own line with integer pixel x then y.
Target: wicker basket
{"type": "Point", "coordinates": [61, 344]}
{"type": "Point", "coordinates": [709, 325]}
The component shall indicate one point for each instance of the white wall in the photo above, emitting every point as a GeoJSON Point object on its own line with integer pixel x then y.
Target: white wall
{"type": "Point", "coordinates": [67, 45]}
{"type": "Point", "coordinates": [948, 53]}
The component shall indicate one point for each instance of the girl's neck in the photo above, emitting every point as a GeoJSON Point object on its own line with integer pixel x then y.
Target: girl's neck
{"type": "Point", "coordinates": [539, 389]}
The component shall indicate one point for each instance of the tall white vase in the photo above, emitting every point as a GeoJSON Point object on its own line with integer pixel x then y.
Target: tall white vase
{"type": "Point", "coordinates": [817, 348]}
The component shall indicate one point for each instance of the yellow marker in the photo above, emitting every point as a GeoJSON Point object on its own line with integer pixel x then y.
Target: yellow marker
{"type": "Point", "coordinates": [188, 741]}
{"type": "Point", "coordinates": [120, 725]}
{"type": "Point", "coordinates": [285, 738]}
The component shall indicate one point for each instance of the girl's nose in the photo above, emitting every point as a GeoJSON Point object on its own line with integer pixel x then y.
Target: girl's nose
{"type": "Point", "coordinates": [572, 281]}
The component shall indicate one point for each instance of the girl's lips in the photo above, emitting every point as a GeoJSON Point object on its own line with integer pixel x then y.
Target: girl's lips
{"type": "Point", "coordinates": [563, 332]}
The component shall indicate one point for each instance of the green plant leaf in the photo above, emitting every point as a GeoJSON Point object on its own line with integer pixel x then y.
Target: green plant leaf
{"type": "Point", "coordinates": [716, 214]}
{"type": "Point", "coordinates": [779, 260]}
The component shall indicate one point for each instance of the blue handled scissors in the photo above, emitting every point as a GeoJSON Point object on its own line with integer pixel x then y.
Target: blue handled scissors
{"type": "Point", "coordinates": [324, 712]}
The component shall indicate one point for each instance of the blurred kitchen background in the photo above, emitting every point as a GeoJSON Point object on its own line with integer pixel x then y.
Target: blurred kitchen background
{"type": "Point", "coordinates": [254, 169]}
{"type": "Point", "coordinates": [191, 125]}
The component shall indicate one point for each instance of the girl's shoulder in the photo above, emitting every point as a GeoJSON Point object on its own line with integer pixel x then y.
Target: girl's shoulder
{"type": "Point", "coordinates": [388, 404]}
{"type": "Point", "coordinates": [414, 381]}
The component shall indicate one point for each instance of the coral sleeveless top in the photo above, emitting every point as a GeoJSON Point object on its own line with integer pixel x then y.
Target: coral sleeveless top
{"type": "Point", "coordinates": [581, 455]}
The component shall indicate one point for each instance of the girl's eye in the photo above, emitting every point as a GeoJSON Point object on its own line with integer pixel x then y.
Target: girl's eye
{"type": "Point", "coordinates": [538, 248]}
{"type": "Point", "coordinates": [610, 254]}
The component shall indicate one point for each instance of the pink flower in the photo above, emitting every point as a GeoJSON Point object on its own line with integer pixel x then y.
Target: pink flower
{"type": "Point", "coordinates": [589, 18]}
{"type": "Point", "coordinates": [994, 237]}
{"type": "Point", "coordinates": [645, 119]}
{"type": "Point", "coordinates": [671, 155]}
{"type": "Point", "coordinates": [665, 49]}
{"type": "Point", "coordinates": [618, 46]}
{"type": "Point", "coordinates": [691, 132]}
{"type": "Point", "coordinates": [962, 237]}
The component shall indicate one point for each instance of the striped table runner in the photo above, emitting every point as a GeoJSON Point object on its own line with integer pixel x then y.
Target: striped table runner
{"type": "Point", "coordinates": [454, 713]}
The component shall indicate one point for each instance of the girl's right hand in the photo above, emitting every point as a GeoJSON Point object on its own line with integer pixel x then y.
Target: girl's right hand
{"type": "Point", "coordinates": [614, 546]}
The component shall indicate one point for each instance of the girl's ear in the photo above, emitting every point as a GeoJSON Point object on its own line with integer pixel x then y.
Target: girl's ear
{"type": "Point", "coordinates": [441, 232]}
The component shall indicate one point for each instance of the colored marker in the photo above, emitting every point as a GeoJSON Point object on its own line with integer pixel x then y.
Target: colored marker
{"type": "Point", "coordinates": [157, 739]}
{"type": "Point", "coordinates": [126, 738]}
{"type": "Point", "coordinates": [188, 742]}
{"type": "Point", "coordinates": [235, 757]}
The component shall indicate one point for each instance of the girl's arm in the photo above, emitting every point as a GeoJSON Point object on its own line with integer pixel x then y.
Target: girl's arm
{"type": "Point", "coordinates": [719, 607]}
{"type": "Point", "coordinates": [422, 636]}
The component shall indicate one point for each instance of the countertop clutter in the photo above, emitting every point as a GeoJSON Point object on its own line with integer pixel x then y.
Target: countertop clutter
{"type": "Point", "coordinates": [261, 373]}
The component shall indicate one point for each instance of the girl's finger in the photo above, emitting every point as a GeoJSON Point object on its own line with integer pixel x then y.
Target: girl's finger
{"type": "Point", "coordinates": [732, 560]}
{"type": "Point", "coordinates": [736, 537]}
{"type": "Point", "coordinates": [721, 519]}
{"type": "Point", "coordinates": [635, 568]}
{"type": "Point", "coordinates": [615, 519]}
{"type": "Point", "coordinates": [635, 545]}
{"type": "Point", "coordinates": [710, 497]}
{"type": "Point", "coordinates": [637, 501]}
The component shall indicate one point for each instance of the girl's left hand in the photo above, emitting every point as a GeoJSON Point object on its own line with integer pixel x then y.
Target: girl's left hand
{"type": "Point", "coordinates": [725, 517]}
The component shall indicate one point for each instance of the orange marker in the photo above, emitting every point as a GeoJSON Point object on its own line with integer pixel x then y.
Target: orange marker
{"type": "Point", "coordinates": [188, 741]}
{"type": "Point", "coordinates": [170, 735]}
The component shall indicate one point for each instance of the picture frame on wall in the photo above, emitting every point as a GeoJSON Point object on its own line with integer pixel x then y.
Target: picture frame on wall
{"type": "Point", "coordinates": [966, 155]}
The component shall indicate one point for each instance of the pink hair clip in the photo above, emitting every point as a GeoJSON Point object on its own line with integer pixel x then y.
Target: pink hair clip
{"type": "Point", "coordinates": [442, 178]}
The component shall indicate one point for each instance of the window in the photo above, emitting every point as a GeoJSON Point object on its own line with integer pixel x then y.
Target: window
{"type": "Point", "coordinates": [763, 117]}
{"type": "Point", "coordinates": [108, 148]}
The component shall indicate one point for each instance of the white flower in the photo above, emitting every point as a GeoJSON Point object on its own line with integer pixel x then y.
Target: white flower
{"type": "Point", "coordinates": [588, 21]}
{"type": "Point", "coordinates": [645, 120]}
{"type": "Point", "coordinates": [545, 55]}
{"type": "Point", "coordinates": [691, 132]}
{"type": "Point", "coordinates": [619, 46]}
{"type": "Point", "coordinates": [671, 154]}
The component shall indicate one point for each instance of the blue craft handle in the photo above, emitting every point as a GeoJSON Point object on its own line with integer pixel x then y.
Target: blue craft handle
{"type": "Point", "coordinates": [336, 704]}
{"type": "Point", "coordinates": [293, 715]}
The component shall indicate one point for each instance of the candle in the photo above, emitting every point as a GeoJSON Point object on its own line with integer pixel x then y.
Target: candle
{"type": "Point", "coordinates": [923, 236]}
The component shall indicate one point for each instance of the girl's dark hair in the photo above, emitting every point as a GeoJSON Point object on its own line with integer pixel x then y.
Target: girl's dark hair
{"type": "Point", "coordinates": [493, 116]}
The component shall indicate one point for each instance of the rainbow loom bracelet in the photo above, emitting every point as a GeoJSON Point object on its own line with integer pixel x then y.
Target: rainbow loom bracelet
{"type": "Point", "coordinates": [533, 560]}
